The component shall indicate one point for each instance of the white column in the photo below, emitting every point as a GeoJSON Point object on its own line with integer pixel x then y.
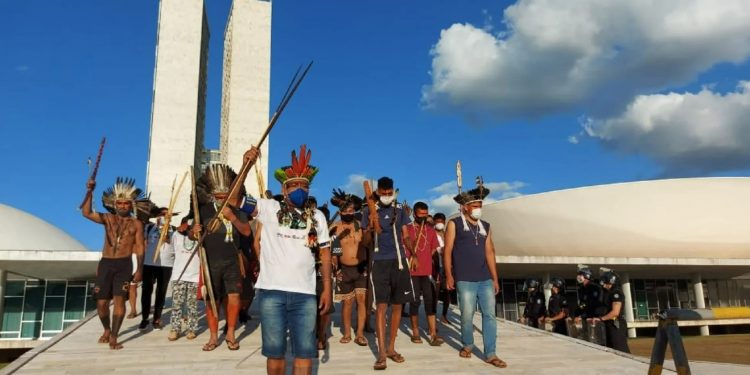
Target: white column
{"type": "Point", "coordinates": [628, 305]}
{"type": "Point", "coordinates": [3, 278]}
{"type": "Point", "coordinates": [547, 288]}
{"type": "Point", "coordinates": [700, 300]}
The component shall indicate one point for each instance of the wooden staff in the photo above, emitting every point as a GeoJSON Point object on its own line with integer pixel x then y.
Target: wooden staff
{"type": "Point", "coordinates": [168, 217]}
{"type": "Point", "coordinates": [373, 207]}
{"type": "Point", "coordinates": [234, 188]}
{"type": "Point", "coordinates": [205, 271]}
{"type": "Point", "coordinates": [96, 168]}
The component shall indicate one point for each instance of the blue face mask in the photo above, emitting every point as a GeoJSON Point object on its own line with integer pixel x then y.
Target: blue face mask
{"type": "Point", "coordinates": [298, 197]}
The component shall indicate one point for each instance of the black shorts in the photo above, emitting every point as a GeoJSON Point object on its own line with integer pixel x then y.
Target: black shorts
{"type": "Point", "coordinates": [225, 277]}
{"type": "Point", "coordinates": [353, 281]}
{"type": "Point", "coordinates": [391, 285]}
{"type": "Point", "coordinates": [113, 277]}
{"type": "Point", "coordinates": [425, 288]}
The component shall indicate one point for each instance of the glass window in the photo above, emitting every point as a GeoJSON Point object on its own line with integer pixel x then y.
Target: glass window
{"type": "Point", "coordinates": [33, 303]}
{"type": "Point", "coordinates": [9, 335]}
{"type": "Point", "coordinates": [53, 313]}
{"type": "Point", "coordinates": [31, 330]}
{"type": "Point", "coordinates": [74, 303]}
{"type": "Point", "coordinates": [12, 314]}
{"type": "Point", "coordinates": [15, 288]}
{"type": "Point", "coordinates": [68, 324]}
{"type": "Point", "coordinates": [56, 288]}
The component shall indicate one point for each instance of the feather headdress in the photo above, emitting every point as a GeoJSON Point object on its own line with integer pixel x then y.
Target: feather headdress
{"type": "Point", "coordinates": [341, 199]}
{"type": "Point", "coordinates": [216, 179]}
{"type": "Point", "coordinates": [300, 168]}
{"type": "Point", "coordinates": [477, 194]}
{"type": "Point", "coordinates": [124, 189]}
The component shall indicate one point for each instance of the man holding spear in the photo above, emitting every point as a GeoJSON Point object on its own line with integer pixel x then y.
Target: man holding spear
{"type": "Point", "coordinates": [123, 236]}
{"type": "Point", "coordinates": [222, 241]}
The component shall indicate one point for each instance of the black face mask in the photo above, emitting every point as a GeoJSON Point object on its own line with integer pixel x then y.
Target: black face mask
{"type": "Point", "coordinates": [347, 218]}
{"type": "Point", "coordinates": [420, 220]}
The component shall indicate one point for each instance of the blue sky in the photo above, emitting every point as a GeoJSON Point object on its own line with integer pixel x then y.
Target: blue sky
{"type": "Point", "coordinates": [533, 95]}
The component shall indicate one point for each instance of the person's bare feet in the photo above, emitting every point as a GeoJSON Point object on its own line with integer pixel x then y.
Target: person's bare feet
{"type": "Point", "coordinates": [113, 344]}
{"type": "Point", "coordinates": [104, 338]}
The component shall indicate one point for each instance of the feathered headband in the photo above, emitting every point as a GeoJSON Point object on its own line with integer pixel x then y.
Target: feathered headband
{"type": "Point", "coordinates": [124, 189]}
{"type": "Point", "coordinates": [216, 179]}
{"type": "Point", "coordinates": [300, 168]}
{"type": "Point", "coordinates": [341, 199]}
{"type": "Point", "coordinates": [477, 194]}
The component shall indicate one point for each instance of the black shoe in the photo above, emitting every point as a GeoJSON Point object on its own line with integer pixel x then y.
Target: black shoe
{"type": "Point", "coordinates": [143, 326]}
{"type": "Point", "coordinates": [157, 325]}
{"type": "Point", "coordinates": [243, 317]}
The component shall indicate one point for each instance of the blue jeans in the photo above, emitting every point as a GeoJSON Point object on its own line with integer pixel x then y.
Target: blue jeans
{"type": "Point", "coordinates": [468, 294]}
{"type": "Point", "coordinates": [281, 311]}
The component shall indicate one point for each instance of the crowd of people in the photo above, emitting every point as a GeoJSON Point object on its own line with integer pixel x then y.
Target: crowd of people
{"type": "Point", "coordinates": [599, 312]}
{"type": "Point", "coordinates": [287, 250]}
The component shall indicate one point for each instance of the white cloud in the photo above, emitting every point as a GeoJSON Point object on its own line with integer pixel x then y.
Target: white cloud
{"type": "Point", "coordinates": [444, 201]}
{"type": "Point", "coordinates": [687, 133]}
{"type": "Point", "coordinates": [561, 55]}
{"type": "Point", "coordinates": [354, 184]}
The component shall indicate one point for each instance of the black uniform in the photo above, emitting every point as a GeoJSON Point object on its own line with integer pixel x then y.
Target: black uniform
{"type": "Point", "coordinates": [534, 308]}
{"type": "Point", "coordinates": [590, 300]}
{"type": "Point", "coordinates": [616, 329]}
{"type": "Point", "coordinates": [557, 303]}
{"type": "Point", "coordinates": [590, 305]}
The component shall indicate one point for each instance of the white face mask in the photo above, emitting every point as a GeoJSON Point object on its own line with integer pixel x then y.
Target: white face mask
{"type": "Point", "coordinates": [386, 200]}
{"type": "Point", "coordinates": [476, 213]}
{"type": "Point", "coordinates": [439, 226]}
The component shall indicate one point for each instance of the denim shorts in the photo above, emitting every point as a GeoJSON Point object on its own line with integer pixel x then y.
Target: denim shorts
{"type": "Point", "coordinates": [282, 312]}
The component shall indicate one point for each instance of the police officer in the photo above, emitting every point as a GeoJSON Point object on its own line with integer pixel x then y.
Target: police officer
{"type": "Point", "coordinates": [614, 319]}
{"type": "Point", "coordinates": [590, 301]}
{"type": "Point", "coordinates": [534, 310]}
{"type": "Point", "coordinates": [557, 307]}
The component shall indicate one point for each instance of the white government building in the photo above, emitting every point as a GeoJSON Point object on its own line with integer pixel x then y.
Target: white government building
{"type": "Point", "coordinates": [675, 243]}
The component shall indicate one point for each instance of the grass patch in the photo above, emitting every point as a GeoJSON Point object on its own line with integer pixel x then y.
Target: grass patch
{"type": "Point", "coordinates": [716, 348]}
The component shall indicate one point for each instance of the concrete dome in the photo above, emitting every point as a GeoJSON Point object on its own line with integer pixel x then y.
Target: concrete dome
{"type": "Point", "coordinates": [676, 218]}
{"type": "Point", "coordinates": [20, 230]}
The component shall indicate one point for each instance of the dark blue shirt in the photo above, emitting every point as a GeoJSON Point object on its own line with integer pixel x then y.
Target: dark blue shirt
{"type": "Point", "coordinates": [386, 243]}
{"type": "Point", "coordinates": [469, 259]}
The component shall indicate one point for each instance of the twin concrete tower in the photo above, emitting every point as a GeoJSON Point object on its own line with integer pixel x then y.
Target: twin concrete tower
{"type": "Point", "coordinates": [178, 110]}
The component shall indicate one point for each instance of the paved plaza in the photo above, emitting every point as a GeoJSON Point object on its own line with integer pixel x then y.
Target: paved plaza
{"type": "Point", "coordinates": [527, 351]}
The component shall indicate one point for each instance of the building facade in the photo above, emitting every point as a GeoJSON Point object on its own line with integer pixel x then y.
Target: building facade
{"type": "Point", "coordinates": [178, 109]}
{"type": "Point", "coordinates": [246, 87]}
{"type": "Point", "coordinates": [674, 243]}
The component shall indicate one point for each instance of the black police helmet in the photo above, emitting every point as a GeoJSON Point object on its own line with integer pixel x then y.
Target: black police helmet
{"type": "Point", "coordinates": [531, 283]}
{"type": "Point", "coordinates": [608, 277]}
{"type": "Point", "coordinates": [558, 283]}
{"type": "Point", "coordinates": [586, 272]}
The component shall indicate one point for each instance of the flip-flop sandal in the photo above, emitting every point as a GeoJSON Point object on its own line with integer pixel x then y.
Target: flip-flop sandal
{"type": "Point", "coordinates": [436, 341]}
{"type": "Point", "coordinates": [465, 353]}
{"type": "Point", "coordinates": [232, 345]}
{"type": "Point", "coordinates": [209, 346]}
{"type": "Point", "coordinates": [416, 339]}
{"type": "Point", "coordinates": [131, 315]}
{"type": "Point", "coordinates": [322, 345]}
{"type": "Point", "coordinates": [380, 364]}
{"type": "Point", "coordinates": [396, 357]}
{"type": "Point", "coordinates": [361, 341]}
{"type": "Point", "coordinates": [345, 340]}
{"type": "Point", "coordinates": [103, 339]}
{"type": "Point", "coordinates": [497, 362]}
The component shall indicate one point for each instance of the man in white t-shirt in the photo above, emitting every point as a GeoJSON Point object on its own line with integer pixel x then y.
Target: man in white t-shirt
{"type": "Point", "coordinates": [292, 237]}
